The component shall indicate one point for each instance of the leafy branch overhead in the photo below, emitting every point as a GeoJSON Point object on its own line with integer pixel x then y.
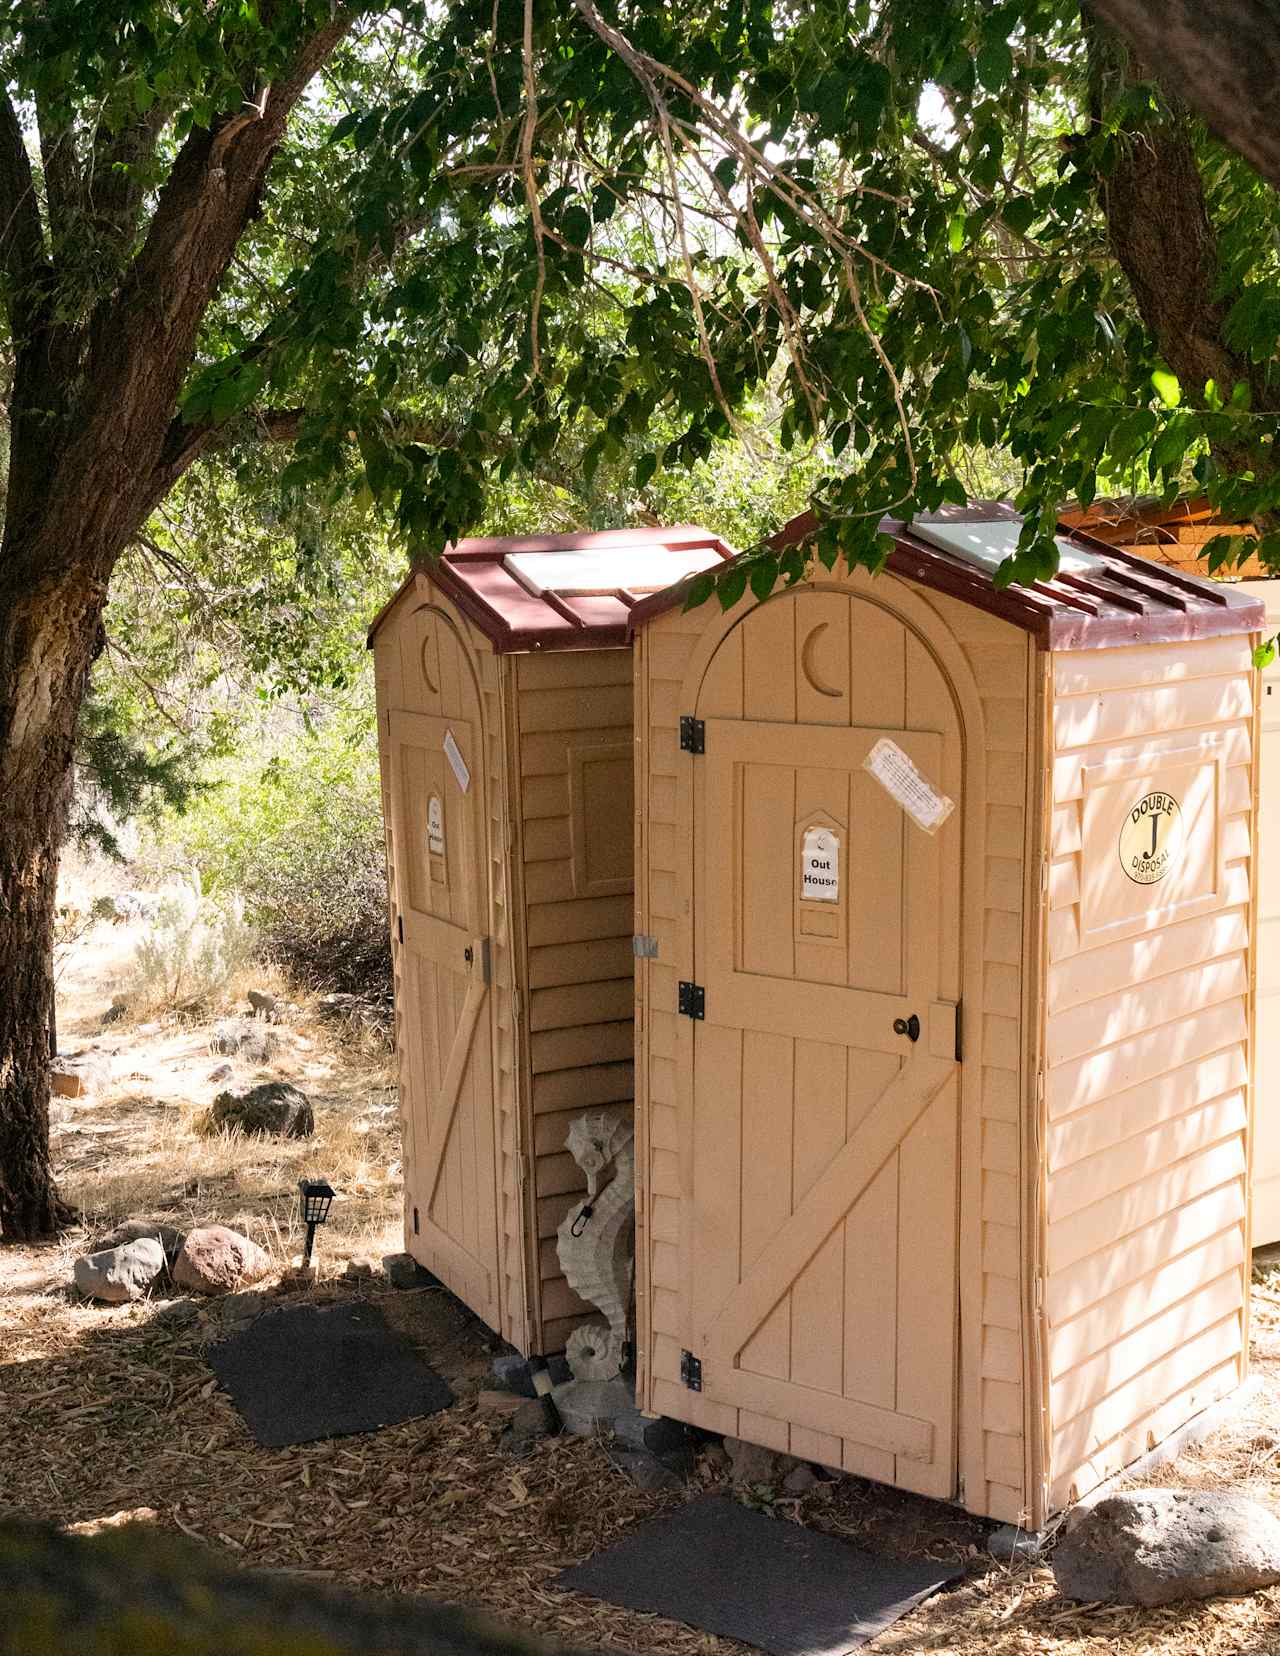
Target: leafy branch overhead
{"type": "Point", "coordinates": [934, 229]}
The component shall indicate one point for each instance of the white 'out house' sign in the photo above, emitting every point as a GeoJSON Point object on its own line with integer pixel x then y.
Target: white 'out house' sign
{"type": "Point", "coordinates": [820, 866]}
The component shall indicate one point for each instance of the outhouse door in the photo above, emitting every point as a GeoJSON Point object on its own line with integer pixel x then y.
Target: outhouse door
{"type": "Point", "coordinates": [451, 1216]}
{"type": "Point", "coordinates": [821, 1242]}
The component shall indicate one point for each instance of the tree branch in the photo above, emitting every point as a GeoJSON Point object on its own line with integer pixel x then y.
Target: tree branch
{"type": "Point", "coordinates": [22, 250]}
{"type": "Point", "coordinates": [62, 180]}
{"type": "Point", "coordinates": [142, 337]}
{"type": "Point", "coordinates": [1223, 59]}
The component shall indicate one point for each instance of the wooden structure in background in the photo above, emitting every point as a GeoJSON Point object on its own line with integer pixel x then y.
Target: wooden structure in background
{"type": "Point", "coordinates": [943, 1167]}
{"type": "Point", "coordinates": [504, 721]}
{"type": "Point", "coordinates": [1174, 535]}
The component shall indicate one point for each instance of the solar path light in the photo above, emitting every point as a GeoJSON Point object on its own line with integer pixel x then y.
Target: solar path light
{"type": "Point", "coordinates": [317, 1199]}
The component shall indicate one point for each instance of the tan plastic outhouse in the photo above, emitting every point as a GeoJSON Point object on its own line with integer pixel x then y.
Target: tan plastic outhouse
{"type": "Point", "coordinates": [1266, 1151]}
{"type": "Point", "coordinates": [943, 1117]}
{"type": "Point", "coordinates": [504, 721]}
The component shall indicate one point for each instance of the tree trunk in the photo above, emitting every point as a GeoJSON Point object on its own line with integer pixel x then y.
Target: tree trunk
{"type": "Point", "coordinates": [48, 636]}
{"type": "Point", "coordinates": [1158, 224]}
{"type": "Point", "coordinates": [1222, 56]}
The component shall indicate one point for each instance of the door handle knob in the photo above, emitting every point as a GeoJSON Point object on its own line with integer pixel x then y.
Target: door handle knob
{"type": "Point", "coordinates": [907, 1026]}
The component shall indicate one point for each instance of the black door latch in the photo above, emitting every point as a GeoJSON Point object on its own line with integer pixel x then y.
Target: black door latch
{"type": "Point", "coordinates": [907, 1026]}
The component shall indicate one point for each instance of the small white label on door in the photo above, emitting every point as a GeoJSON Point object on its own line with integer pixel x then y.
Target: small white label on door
{"type": "Point", "coordinates": [820, 866]}
{"type": "Point", "coordinates": [457, 764]}
{"type": "Point", "coordinates": [435, 826]}
{"type": "Point", "coordinates": [895, 773]}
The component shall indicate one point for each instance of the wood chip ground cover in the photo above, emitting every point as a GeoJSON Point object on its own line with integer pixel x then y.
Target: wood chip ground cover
{"type": "Point", "coordinates": [111, 1408]}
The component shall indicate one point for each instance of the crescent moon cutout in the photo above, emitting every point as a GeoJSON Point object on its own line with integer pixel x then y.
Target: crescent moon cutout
{"type": "Point", "coordinates": [427, 642]}
{"type": "Point", "coordinates": [806, 661]}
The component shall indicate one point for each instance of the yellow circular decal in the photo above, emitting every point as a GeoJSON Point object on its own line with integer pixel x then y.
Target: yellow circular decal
{"type": "Point", "coordinates": [1151, 838]}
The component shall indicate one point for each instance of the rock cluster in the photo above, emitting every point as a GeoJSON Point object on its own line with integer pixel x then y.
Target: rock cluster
{"type": "Point", "coordinates": [246, 1038]}
{"type": "Point", "coordinates": [142, 1254]}
{"type": "Point", "coordinates": [216, 1260]}
{"type": "Point", "coordinates": [274, 1109]}
{"type": "Point", "coordinates": [118, 1275]}
{"type": "Point", "coordinates": [1152, 1546]}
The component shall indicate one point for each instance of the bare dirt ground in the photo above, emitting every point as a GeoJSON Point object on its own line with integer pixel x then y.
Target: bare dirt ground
{"type": "Point", "coordinates": [110, 1408]}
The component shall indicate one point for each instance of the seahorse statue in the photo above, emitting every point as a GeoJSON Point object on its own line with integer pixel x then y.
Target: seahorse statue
{"type": "Point", "coordinates": [597, 1240]}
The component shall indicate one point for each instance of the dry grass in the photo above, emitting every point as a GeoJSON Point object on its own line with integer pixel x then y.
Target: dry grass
{"type": "Point", "coordinates": [138, 1149]}
{"type": "Point", "coordinates": [108, 1408]}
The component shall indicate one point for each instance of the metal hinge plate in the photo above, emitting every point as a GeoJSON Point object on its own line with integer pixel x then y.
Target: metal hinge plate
{"type": "Point", "coordinates": [690, 1371]}
{"type": "Point", "coordinates": [693, 735]}
{"type": "Point", "coordinates": [959, 1032]}
{"type": "Point", "coordinates": [400, 927]}
{"type": "Point", "coordinates": [691, 1000]}
{"type": "Point", "coordinates": [644, 946]}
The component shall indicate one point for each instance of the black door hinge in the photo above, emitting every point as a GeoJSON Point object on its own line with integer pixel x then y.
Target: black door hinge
{"type": "Point", "coordinates": [693, 735]}
{"type": "Point", "coordinates": [400, 926]}
{"type": "Point", "coordinates": [959, 1031]}
{"type": "Point", "coordinates": [691, 1371]}
{"type": "Point", "coordinates": [692, 1000]}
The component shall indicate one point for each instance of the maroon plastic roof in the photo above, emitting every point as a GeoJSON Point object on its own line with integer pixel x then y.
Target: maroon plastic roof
{"type": "Point", "coordinates": [1115, 599]}
{"type": "Point", "coordinates": [564, 592]}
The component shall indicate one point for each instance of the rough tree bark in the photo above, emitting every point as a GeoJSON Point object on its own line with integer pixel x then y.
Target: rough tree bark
{"type": "Point", "coordinates": [1222, 56]}
{"type": "Point", "coordinates": [1163, 239]}
{"type": "Point", "coordinates": [95, 444]}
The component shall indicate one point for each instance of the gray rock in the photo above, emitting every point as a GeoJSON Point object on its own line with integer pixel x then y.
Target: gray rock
{"type": "Point", "coordinates": [661, 1436]}
{"type": "Point", "coordinates": [511, 1370]}
{"type": "Point", "coordinates": [800, 1480]}
{"type": "Point", "coordinates": [241, 1035]}
{"type": "Point", "coordinates": [1152, 1546]}
{"type": "Point", "coordinates": [216, 1260]}
{"type": "Point", "coordinates": [588, 1406]}
{"type": "Point", "coordinates": [715, 1458]}
{"type": "Point", "coordinates": [647, 1471]}
{"type": "Point", "coordinates": [135, 905]}
{"type": "Point", "coordinates": [529, 1425]}
{"type": "Point", "coordinates": [1014, 1545]}
{"type": "Point", "coordinates": [750, 1464]}
{"type": "Point", "coordinates": [222, 1072]}
{"type": "Point", "coordinates": [118, 1275]}
{"type": "Point", "coordinates": [403, 1271]}
{"type": "Point", "coordinates": [169, 1237]}
{"type": "Point", "coordinates": [360, 1270]}
{"type": "Point", "coordinates": [274, 1109]}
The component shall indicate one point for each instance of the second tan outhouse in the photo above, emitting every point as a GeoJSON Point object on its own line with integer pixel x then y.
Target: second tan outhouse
{"type": "Point", "coordinates": [505, 730]}
{"type": "Point", "coordinates": [944, 1054]}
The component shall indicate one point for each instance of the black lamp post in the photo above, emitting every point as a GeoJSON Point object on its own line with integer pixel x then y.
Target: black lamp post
{"type": "Point", "coordinates": [317, 1199]}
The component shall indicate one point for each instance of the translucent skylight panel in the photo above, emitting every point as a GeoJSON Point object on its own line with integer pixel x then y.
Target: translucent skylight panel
{"type": "Point", "coordinates": [987, 545]}
{"type": "Point", "coordinates": [596, 569]}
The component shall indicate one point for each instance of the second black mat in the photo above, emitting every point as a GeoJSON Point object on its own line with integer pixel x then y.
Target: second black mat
{"type": "Point", "coordinates": [724, 1569]}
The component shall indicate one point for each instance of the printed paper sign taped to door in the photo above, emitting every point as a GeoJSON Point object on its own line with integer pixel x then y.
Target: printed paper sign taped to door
{"type": "Point", "coordinates": [896, 774]}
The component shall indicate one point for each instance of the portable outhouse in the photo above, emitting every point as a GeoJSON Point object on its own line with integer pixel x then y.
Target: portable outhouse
{"type": "Point", "coordinates": [944, 1043]}
{"type": "Point", "coordinates": [1177, 534]}
{"type": "Point", "coordinates": [504, 701]}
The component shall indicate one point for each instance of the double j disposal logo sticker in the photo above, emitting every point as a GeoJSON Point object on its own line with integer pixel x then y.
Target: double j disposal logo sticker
{"type": "Point", "coordinates": [1151, 838]}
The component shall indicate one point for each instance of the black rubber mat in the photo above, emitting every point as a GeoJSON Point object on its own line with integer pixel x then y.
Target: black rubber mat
{"type": "Point", "coordinates": [724, 1569]}
{"type": "Point", "coordinates": [307, 1372]}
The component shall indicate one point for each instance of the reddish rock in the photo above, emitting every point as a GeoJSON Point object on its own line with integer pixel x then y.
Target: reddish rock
{"type": "Point", "coordinates": [216, 1260]}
